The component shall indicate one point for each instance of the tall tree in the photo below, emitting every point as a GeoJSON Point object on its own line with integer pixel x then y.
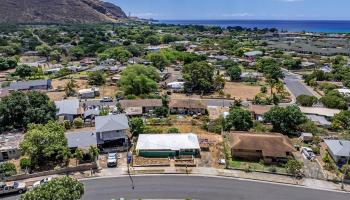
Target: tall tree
{"type": "Point", "coordinates": [60, 188]}
{"type": "Point", "coordinates": [239, 119]}
{"type": "Point", "coordinates": [199, 76]}
{"type": "Point", "coordinates": [285, 120]}
{"type": "Point", "coordinates": [44, 143]}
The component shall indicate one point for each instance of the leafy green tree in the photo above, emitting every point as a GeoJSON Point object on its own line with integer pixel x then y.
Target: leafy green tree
{"type": "Point", "coordinates": [285, 120]}
{"type": "Point", "coordinates": [7, 63]}
{"type": "Point", "coordinates": [78, 122]}
{"type": "Point", "coordinates": [305, 100]}
{"type": "Point", "coordinates": [19, 109]}
{"type": "Point", "coordinates": [263, 89]}
{"type": "Point", "coordinates": [159, 60]}
{"type": "Point", "coordinates": [55, 55]}
{"type": "Point", "coordinates": [334, 99]}
{"type": "Point", "coordinates": [97, 78]}
{"type": "Point", "coordinates": [173, 130]}
{"type": "Point", "coordinates": [239, 119]}
{"type": "Point", "coordinates": [25, 163]}
{"type": "Point", "coordinates": [23, 71]}
{"type": "Point", "coordinates": [293, 166]}
{"type": "Point", "coordinates": [234, 72]}
{"type": "Point", "coordinates": [292, 64]}
{"type": "Point", "coordinates": [199, 76]}
{"type": "Point", "coordinates": [44, 143]}
{"type": "Point", "coordinates": [153, 40]}
{"type": "Point", "coordinates": [136, 126]}
{"type": "Point", "coordinates": [7, 169]}
{"type": "Point", "coordinates": [272, 71]}
{"type": "Point", "coordinates": [43, 50]}
{"type": "Point", "coordinates": [77, 52]}
{"type": "Point", "coordinates": [78, 155]}
{"type": "Point", "coordinates": [60, 188]}
{"type": "Point", "coordinates": [341, 120]}
{"type": "Point", "coordinates": [93, 152]}
{"type": "Point", "coordinates": [138, 80]}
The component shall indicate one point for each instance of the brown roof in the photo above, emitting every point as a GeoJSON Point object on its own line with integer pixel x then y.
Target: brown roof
{"type": "Point", "coordinates": [186, 103]}
{"type": "Point", "coordinates": [141, 103]}
{"type": "Point", "coordinates": [273, 145]}
{"type": "Point", "coordinates": [4, 92]}
{"type": "Point", "coordinates": [260, 109]}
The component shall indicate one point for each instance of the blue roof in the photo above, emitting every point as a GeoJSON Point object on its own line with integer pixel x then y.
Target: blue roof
{"type": "Point", "coordinates": [26, 85]}
{"type": "Point", "coordinates": [111, 123]}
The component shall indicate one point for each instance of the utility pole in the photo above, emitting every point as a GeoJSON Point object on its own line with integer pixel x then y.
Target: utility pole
{"type": "Point", "coordinates": [346, 171]}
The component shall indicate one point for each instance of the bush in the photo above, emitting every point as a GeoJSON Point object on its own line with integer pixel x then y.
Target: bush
{"type": "Point", "coordinates": [67, 124]}
{"type": "Point", "coordinates": [272, 169]}
{"type": "Point", "coordinates": [7, 169]}
{"type": "Point", "coordinates": [152, 129]}
{"type": "Point", "coordinates": [305, 100]}
{"type": "Point", "coordinates": [316, 149]}
{"type": "Point", "coordinates": [25, 163]}
{"type": "Point", "coordinates": [78, 122]}
{"type": "Point", "coordinates": [173, 130]}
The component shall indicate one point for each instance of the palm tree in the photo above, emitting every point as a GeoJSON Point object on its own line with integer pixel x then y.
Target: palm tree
{"type": "Point", "coordinates": [70, 87]}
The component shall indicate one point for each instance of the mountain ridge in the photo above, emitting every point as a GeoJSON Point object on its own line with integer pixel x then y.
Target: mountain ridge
{"type": "Point", "coordinates": [59, 11]}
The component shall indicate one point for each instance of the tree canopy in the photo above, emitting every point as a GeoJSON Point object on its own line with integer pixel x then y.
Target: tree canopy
{"type": "Point", "coordinates": [307, 101]}
{"type": "Point", "coordinates": [159, 60]}
{"type": "Point", "coordinates": [138, 80]}
{"type": "Point", "coordinates": [239, 119]}
{"type": "Point", "coordinates": [199, 77]}
{"type": "Point", "coordinates": [97, 78]}
{"type": "Point", "coordinates": [19, 109]}
{"type": "Point", "coordinates": [60, 188]}
{"type": "Point", "coordinates": [234, 72]}
{"type": "Point", "coordinates": [285, 120]}
{"type": "Point", "coordinates": [44, 143]}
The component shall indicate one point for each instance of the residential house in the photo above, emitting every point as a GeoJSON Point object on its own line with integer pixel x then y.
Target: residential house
{"type": "Point", "coordinates": [252, 55]}
{"type": "Point", "coordinates": [325, 112]}
{"type": "Point", "coordinates": [176, 86]}
{"type": "Point", "coordinates": [30, 85]}
{"type": "Point", "coordinates": [187, 106]}
{"type": "Point", "coordinates": [111, 131]}
{"type": "Point", "coordinates": [319, 120]}
{"type": "Point", "coordinates": [89, 93]}
{"type": "Point", "coordinates": [268, 147]}
{"type": "Point", "coordinates": [82, 140]}
{"type": "Point", "coordinates": [306, 137]}
{"type": "Point", "coordinates": [167, 145]}
{"type": "Point", "coordinates": [69, 109]}
{"type": "Point", "coordinates": [133, 107]}
{"type": "Point", "coordinates": [250, 76]}
{"type": "Point", "coordinates": [339, 150]}
{"type": "Point", "coordinates": [9, 146]}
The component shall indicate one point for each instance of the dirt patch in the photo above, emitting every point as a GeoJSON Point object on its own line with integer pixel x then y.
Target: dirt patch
{"type": "Point", "coordinates": [141, 161]}
{"type": "Point", "coordinates": [241, 90]}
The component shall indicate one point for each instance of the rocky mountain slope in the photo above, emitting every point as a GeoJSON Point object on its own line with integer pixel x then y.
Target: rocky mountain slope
{"type": "Point", "coordinates": [59, 11]}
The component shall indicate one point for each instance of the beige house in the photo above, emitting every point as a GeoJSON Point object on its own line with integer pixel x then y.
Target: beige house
{"type": "Point", "coordinates": [187, 106]}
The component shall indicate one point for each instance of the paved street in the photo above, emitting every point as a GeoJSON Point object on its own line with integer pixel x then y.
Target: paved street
{"type": "Point", "coordinates": [293, 83]}
{"type": "Point", "coordinates": [202, 188]}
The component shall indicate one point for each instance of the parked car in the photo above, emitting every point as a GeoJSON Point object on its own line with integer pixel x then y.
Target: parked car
{"type": "Point", "coordinates": [42, 182]}
{"type": "Point", "coordinates": [12, 187]}
{"type": "Point", "coordinates": [112, 160]}
{"type": "Point", "coordinates": [309, 154]}
{"type": "Point", "coordinates": [107, 99]}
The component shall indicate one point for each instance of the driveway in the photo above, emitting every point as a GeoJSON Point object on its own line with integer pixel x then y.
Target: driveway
{"type": "Point", "coordinates": [295, 86]}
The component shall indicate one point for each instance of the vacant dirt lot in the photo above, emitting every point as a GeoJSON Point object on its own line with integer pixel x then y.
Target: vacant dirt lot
{"type": "Point", "coordinates": [241, 90]}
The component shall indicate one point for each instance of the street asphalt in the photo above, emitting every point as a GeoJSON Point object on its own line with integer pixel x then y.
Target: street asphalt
{"type": "Point", "coordinates": [201, 188]}
{"type": "Point", "coordinates": [295, 86]}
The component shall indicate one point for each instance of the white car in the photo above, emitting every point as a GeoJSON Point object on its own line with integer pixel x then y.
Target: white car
{"type": "Point", "coordinates": [112, 160]}
{"type": "Point", "coordinates": [42, 182]}
{"type": "Point", "coordinates": [308, 153]}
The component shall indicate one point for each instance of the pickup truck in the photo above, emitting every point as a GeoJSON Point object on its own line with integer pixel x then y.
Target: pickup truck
{"type": "Point", "coordinates": [12, 187]}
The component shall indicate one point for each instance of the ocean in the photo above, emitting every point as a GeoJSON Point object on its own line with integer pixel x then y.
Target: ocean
{"type": "Point", "coordinates": [319, 26]}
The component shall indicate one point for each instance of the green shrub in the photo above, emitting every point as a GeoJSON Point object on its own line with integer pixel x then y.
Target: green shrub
{"type": "Point", "coordinates": [272, 169]}
{"type": "Point", "coordinates": [7, 169]}
{"type": "Point", "coordinates": [78, 122]}
{"type": "Point", "coordinates": [173, 130]}
{"type": "Point", "coordinates": [67, 124]}
{"type": "Point", "coordinates": [25, 163]}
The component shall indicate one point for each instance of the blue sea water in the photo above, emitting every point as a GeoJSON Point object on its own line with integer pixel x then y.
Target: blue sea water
{"type": "Point", "coordinates": [319, 26]}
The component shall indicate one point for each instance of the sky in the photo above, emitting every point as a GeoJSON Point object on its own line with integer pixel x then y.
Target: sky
{"type": "Point", "coordinates": [237, 9]}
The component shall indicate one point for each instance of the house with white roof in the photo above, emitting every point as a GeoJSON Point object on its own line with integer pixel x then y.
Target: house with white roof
{"type": "Point", "coordinates": [339, 150]}
{"type": "Point", "coordinates": [167, 145]}
{"type": "Point", "coordinates": [344, 91]}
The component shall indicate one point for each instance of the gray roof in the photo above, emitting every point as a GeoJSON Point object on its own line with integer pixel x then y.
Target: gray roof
{"type": "Point", "coordinates": [81, 139]}
{"type": "Point", "coordinates": [25, 85]}
{"type": "Point", "coordinates": [89, 112]}
{"type": "Point", "coordinates": [111, 123]}
{"type": "Point", "coordinates": [69, 106]}
{"type": "Point", "coordinates": [321, 120]}
{"type": "Point", "coordinates": [173, 142]}
{"type": "Point", "coordinates": [339, 147]}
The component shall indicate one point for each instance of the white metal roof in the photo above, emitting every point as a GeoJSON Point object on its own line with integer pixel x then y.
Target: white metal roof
{"type": "Point", "coordinates": [339, 147]}
{"type": "Point", "coordinates": [173, 142]}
